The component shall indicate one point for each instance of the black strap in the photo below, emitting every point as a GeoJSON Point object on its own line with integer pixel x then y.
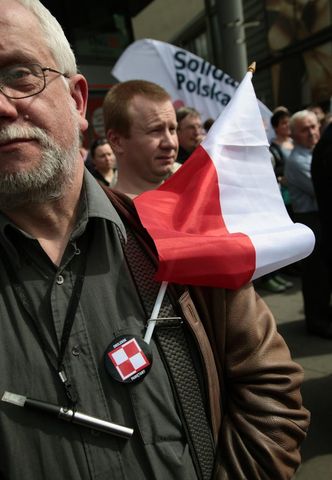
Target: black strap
{"type": "Point", "coordinates": [57, 363]}
{"type": "Point", "coordinates": [175, 351]}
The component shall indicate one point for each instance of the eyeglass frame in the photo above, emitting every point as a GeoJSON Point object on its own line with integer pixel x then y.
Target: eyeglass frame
{"type": "Point", "coordinates": [43, 70]}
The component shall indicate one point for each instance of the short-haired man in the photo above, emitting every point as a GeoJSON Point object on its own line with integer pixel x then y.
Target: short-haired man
{"type": "Point", "coordinates": [315, 278]}
{"type": "Point", "coordinates": [140, 125]}
{"type": "Point", "coordinates": [190, 131]}
{"type": "Point", "coordinates": [76, 289]}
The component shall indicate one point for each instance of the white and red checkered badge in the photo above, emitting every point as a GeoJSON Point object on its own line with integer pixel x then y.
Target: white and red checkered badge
{"type": "Point", "coordinates": [128, 358]}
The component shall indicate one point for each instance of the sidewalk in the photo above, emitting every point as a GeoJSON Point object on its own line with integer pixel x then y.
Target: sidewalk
{"type": "Point", "coordinates": [315, 356]}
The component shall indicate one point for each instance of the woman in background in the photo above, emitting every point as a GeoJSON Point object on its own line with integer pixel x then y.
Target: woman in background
{"type": "Point", "coordinates": [104, 162]}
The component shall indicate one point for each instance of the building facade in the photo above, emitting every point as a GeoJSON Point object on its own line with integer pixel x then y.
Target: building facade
{"type": "Point", "coordinates": [291, 41]}
{"type": "Point", "coordinates": [99, 32]}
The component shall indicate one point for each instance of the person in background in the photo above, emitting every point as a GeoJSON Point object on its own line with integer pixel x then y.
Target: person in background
{"type": "Point", "coordinates": [327, 121]}
{"type": "Point", "coordinates": [280, 148]}
{"type": "Point", "coordinates": [208, 124]}
{"type": "Point", "coordinates": [103, 162]}
{"type": "Point", "coordinates": [282, 134]}
{"type": "Point", "coordinates": [140, 124]}
{"type": "Point", "coordinates": [318, 110]}
{"type": "Point", "coordinates": [84, 151]}
{"type": "Point", "coordinates": [77, 289]}
{"type": "Point", "coordinates": [321, 172]}
{"type": "Point", "coordinates": [190, 132]}
{"type": "Point", "coordinates": [316, 288]}
{"type": "Point", "coordinates": [281, 108]}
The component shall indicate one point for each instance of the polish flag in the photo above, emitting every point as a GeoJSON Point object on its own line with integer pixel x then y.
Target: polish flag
{"type": "Point", "coordinates": [220, 219]}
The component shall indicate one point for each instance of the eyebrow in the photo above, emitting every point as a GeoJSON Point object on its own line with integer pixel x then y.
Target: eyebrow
{"type": "Point", "coordinates": [17, 56]}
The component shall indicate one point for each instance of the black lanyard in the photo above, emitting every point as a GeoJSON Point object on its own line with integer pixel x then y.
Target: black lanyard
{"type": "Point", "coordinates": [57, 363]}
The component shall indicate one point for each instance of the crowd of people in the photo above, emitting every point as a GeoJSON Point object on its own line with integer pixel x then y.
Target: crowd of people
{"type": "Point", "coordinates": [296, 143]}
{"type": "Point", "coordinates": [292, 146]}
{"type": "Point", "coordinates": [214, 393]}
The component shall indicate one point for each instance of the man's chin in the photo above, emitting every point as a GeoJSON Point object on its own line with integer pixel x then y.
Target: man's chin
{"type": "Point", "coordinates": [166, 172]}
{"type": "Point", "coordinates": [157, 179]}
{"type": "Point", "coordinates": [19, 162]}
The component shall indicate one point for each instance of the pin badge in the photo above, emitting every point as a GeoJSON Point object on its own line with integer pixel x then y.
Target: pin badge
{"type": "Point", "coordinates": [128, 358]}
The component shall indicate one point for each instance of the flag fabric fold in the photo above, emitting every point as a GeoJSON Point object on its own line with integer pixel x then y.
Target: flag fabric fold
{"type": "Point", "coordinates": [220, 219]}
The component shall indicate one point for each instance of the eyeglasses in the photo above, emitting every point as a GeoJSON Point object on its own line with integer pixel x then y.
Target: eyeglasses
{"type": "Point", "coordinates": [24, 80]}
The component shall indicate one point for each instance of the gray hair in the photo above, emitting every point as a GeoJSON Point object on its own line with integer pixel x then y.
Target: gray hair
{"type": "Point", "coordinates": [55, 38]}
{"type": "Point", "coordinates": [300, 115]}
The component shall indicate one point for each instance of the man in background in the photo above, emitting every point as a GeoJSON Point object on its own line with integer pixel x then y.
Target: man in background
{"type": "Point", "coordinates": [140, 124]}
{"type": "Point", "coordinates": [314, 273]}
{"type": "Point", "coordinates": [190, 132]}
{"type": "Point", "coordinates": [321, 171]}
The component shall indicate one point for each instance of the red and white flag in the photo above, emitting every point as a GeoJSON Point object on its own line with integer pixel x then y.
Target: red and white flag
{"type": "Point", "coordinates": [220, 219]}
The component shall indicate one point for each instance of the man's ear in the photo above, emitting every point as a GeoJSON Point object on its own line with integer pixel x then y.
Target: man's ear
{"type": "Point", "coordinates": [79, 93]}
{"type": "Point", "coordinates": [116, 141]}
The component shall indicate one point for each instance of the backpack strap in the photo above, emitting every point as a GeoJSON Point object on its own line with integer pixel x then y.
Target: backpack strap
{"type": "Point", "coordinates": [176, 346]}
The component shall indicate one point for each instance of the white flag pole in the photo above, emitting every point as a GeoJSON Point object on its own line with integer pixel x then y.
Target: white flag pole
{"type": "Point", "coordinates": [155, 312]}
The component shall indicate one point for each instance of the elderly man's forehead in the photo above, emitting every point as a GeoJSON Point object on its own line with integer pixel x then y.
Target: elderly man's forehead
{"type": "Point", "coordinates": [310, 119]}
{"type": "Point", "coordinates": [21, 37]}
{"type": "Point", "coordinates": [14, 14]}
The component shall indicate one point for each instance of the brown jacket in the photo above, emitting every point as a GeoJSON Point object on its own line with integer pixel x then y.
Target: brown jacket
{"type": "Point", "coordinates": [256, 408]}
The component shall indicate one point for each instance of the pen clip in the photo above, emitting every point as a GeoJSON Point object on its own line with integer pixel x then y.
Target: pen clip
{"type": "Point", "coordinates": [69, 388]}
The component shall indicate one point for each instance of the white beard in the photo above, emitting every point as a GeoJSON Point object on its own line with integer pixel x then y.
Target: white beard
{"type": "Point", "coordinates": [45, 182]}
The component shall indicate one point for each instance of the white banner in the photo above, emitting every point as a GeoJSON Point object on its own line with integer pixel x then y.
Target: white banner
{"type": "Point", "coordinates": [189, 79]}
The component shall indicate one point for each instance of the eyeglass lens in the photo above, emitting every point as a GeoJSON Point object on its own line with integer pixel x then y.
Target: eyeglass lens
{"type": "Point", "coordinates": [19, 81]}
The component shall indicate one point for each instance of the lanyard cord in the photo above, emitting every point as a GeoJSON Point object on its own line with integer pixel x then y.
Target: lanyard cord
{"type": "Point", "coordinates": [57, 363]}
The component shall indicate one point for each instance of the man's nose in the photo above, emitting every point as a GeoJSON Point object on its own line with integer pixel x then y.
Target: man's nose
{"type": "Point", "coordinates": [7, 107]}
{"type": "Point", "coordinates": [198, 130]}
{"type": "Point", "coordinates": [170, 139]}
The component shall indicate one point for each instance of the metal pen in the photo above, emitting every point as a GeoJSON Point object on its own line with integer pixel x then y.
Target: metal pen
{"type": "Point", "coordinates": [69, 415]}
